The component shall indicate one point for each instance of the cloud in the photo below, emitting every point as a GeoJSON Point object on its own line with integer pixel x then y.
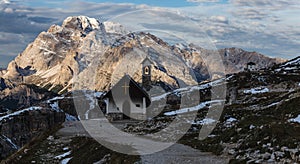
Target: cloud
{"type": "Point", "coordinates": [4, 2]}
{"type": "Point", "coordinates": [270, 27]}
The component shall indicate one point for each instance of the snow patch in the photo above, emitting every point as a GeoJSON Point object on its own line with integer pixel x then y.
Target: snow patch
{"type": "Point", "coordinates": [70, 117]}
{"type": "Point", "coordinates": [297, 119]}
{"type": "Point", "coordinates": [98, 94]}
{"type": "Point", "coordinates": [63, 155]}
{"type": "Point", "coordinates": [296, 61]}
{"type": "Point", "coordinates": [192, 109]}
{"type": "Point", "coordinates": [273, 104]}
{"type": "Point", "coordinates": [251, 127]}
{"type": "Point", "coordinates": [55, 107]}
{"type": "Point", "coordinates": [192, 88]}
{"type": "Point", "coordinates": [10, 142]}
{"type": "Point", "coordinates": [54, 99]}
{"type": "Point", "coordinates": [19, 112]}
{"type": "Point", "coordinates": [256, 90]}
{"type": "Point", "coordinates": [205, 121]}
{"type": "Point", "coordinates": [231, 120]}
{"type": "Point", "coordinates": [65, 161]}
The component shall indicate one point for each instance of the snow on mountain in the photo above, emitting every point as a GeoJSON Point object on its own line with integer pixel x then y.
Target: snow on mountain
{"type": "Point", "coordinates": [19, 112]}
{"type": "Point", "coordinates": [82, 46]}
{"type": "Point", "coordinates": [82, 22]}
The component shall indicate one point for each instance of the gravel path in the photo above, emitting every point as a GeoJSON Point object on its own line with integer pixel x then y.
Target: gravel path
{"type": "Point", "coordinates": [177, 153]}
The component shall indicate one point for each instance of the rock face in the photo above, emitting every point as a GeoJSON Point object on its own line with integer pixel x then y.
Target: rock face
{"type": "Point", "coordinates": [2, 72]}
{"type": "Point", "coordinates": [22, 96]}
{"type": "Point", "coordinates": [103, 51]}
{"type": "Point", "coordinates": [18, 130]}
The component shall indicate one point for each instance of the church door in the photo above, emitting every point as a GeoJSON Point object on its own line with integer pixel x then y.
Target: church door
{"type": "Point", "coordinates": [126, 110]}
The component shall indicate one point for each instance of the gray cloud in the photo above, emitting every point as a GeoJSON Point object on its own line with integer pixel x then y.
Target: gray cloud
{"type": "Point", "coordinates": [258, 25]}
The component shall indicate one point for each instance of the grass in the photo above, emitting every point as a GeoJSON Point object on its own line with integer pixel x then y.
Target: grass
{"type": "Point", "coordinates": [87, 150]}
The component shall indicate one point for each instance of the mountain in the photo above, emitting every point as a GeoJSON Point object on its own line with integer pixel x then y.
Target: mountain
{"type": "Point", "coordinates": [259, 123]}
{"type": "Point", "coordinates": [84, 46]}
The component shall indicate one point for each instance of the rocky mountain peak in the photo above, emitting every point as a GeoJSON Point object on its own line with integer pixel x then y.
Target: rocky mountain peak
{"type": "Point", "coordinates": [81, 23]}
{"type": "Point", "coordinates": [83, 45]}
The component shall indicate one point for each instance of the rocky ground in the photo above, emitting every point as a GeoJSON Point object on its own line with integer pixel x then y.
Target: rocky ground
{"type": "Point", "coordinates": [74, 145]}
{"type": "Point", "coordinates": [260, 121]}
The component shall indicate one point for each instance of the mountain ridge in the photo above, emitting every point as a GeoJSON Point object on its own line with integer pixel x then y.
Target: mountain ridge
{"type": "Point", "coordinates": [82, 44]}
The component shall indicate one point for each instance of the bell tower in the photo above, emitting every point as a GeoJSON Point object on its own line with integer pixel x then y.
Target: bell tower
{"type": "Point", "coordinates": [146, 73]}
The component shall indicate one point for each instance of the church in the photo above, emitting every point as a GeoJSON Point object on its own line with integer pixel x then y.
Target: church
{"type": "Point", "coordinates": [127, 99]}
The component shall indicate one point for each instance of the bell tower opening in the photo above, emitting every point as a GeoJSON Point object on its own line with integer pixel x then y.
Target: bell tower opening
{"type": "Point", "coordinates": [146, 74]}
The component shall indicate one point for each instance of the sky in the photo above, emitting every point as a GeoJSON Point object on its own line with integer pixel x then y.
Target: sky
{"type": "Point", "coordinates": [270, 27]}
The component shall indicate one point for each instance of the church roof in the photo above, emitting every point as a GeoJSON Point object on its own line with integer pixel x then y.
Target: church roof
{"type": "Point", "coordinates": [251, 63]}
{"type": "Point", "coordinates": [147, 59]}
{"type": "Point", "coordinates": [136, 92]}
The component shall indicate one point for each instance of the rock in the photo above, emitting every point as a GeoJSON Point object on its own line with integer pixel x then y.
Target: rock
{"type": "Point", "coordinates": [22, 96]}
{"type": "Point", "coordinates": [18, 130]}
{"type": "Point", "coordinates": [231, 152]}
{"type": "Point", "coordinates": [266, 156]}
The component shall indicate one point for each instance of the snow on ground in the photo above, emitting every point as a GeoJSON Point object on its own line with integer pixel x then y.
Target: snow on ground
{"type": "Point", "coordinates": [66, 160]}
{"type": "Point", "coordinates": [205, 121]}
{"type": "Point", "coordinates": [296, 61]}
{"type": "Point", "coordinates": [194, 108]}
{"type": "Point", "coordinates": [192, 88]}
{"type": "Point", "coordinates": [10, 142]}
{"type": "Point", "coordinates": [256, 90]}
{"type": "Point", "coordinates": [273, 104]}
{"type": "Point", "coordinates": [251, 127]}
{"type": "Point", "coordinates": [54, 103]}
{"type": "Point", "coordinates": [54, 99]}
{"type": "Point", "coordinates": [297, 119]}
{"type": "Point", "coordinates": [70, 117]}
{"type": "Point", "coordinates": [19, 112]}
{"type": "Point", "coordinates": [63, 155]}
{"type": "Point", "coordinates": [55, 106]}
{"type": "Point", "coordinates": [230, 122]}
{"type": "Point", "coordinates": [98, 94]}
